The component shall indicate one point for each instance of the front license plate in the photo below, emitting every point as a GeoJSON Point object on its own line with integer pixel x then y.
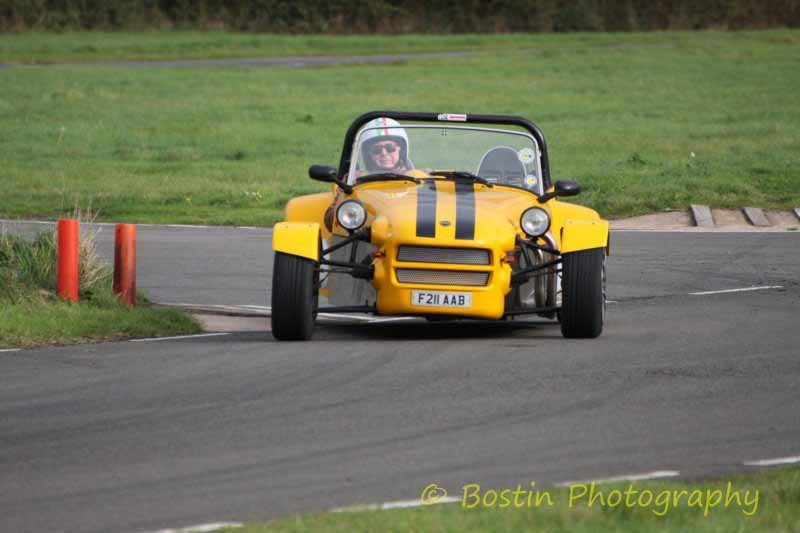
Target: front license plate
{"type": "Point", "coordinates": [441, 299]}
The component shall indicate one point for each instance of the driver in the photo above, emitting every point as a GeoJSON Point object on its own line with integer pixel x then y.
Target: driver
{"type": "Point", "coordinates": [384, 148]}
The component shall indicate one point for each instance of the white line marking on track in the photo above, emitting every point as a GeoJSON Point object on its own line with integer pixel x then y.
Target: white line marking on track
{"type": "Point", "coordinates": [696, 229]}
{"type": "Point", "coordinates": [773, 462]}
{"type": "Point", "coordinates": [200, 308]}
{"type": "Point", "coordinates": [401, 504]}
{"type": "Point", "coordinates": [657, 474]}
{"type": "Point", "coordinates": [202, 528]}
{"type": "Point", "coordinates": [267, 309]}
{"type": "Point", "coordinates": [392, 319]}
{"type": "Point", "coordinates": [109, 224]}
{"type": "Point", "coordinates": [7, 350]}
{"type": "Point", "coordinates": [10, 222]}
{"type": "Point", "coordinates": [159, 339]}
{"type": "Point", "coordinates": [344, 316]}
{"type": "Point", "coordinates": [234, 307]}
{"type": "Point", "coordinates": [746, 289]}
{"type": "Point", "coordinates": [211, 306]}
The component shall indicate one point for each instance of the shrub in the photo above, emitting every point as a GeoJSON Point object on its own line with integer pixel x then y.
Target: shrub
{"type": "Point", "coordinates": [398, 16]}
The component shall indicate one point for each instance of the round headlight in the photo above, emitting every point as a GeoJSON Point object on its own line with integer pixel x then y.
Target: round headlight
{"type": "Point", "coordinates": [351, 215]}
{"type": "Point", "coordinates": [534, 222]}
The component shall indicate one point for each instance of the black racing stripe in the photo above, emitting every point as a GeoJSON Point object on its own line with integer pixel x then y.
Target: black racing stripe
{"type": "Point", "coordinates": [465, 210]}
{"type": "Point", "coordinates": [426, 209]}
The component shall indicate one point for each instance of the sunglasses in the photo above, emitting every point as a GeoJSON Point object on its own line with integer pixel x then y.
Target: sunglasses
{"type": "Point", "coordinates": [378, 149]}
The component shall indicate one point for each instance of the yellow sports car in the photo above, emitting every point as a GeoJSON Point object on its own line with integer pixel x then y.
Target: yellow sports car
{"type": "Point", "coordinates": [442, 216]}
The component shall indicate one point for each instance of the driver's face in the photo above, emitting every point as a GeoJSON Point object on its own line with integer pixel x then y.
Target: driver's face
{"type": "Point", "coordinates": [385, 154]}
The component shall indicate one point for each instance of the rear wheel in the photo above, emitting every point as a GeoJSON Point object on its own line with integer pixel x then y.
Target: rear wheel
{"type": "Point", "coordinates": [294, 297]}
{"type": "Point", "coordinates": [583, 293]}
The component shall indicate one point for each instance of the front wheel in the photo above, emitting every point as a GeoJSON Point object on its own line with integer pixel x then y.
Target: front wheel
{"type": "Point", "coordinates": [294, 297]}
{"type": "Point", "coordinates": [583, 293]}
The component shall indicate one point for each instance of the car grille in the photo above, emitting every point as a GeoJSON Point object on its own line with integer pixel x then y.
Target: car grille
{"type": "Point", "coordinates": [442, 277]}
{"type": "Point", "coordinates": [433, 254]}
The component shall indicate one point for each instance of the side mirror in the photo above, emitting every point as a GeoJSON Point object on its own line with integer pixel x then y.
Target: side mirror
{"type": "Point", "coordinates": [322, 173]}
{"type": "Point", "coordinates": [567, 188]}
{"type": "Point", "coordinates": [328, 175]}
{"type": "Point", "coordinates": [562, 188]}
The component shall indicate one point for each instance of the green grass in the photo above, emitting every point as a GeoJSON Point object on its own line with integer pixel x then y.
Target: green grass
{"type": "Point", "coordinates": [25, 325]}
{"type": "Point", "coordinates": [778, 510]}
{"type": "Point", "coordinates": [643, 121]}
{"type": "Point", "coordinates": [31, 314]}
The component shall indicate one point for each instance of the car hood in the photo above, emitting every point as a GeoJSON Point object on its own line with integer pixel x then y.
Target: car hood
{"type": "Point", "coordinates": [444, 212]}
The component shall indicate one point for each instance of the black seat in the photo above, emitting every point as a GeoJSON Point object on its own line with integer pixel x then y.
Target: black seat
{"type": "Point", "coordinates": [502, 165]}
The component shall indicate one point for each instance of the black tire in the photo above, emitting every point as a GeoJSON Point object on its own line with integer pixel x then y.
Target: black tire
{"type": "Point", "coordinates": [583, 298]}
{"type": "Point", "coordinates": [294, 297]}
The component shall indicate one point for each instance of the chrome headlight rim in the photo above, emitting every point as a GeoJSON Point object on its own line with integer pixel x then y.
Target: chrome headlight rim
{"type": "Point", "coordinates": [530, 212]}
{"type": "Point", "coordinates": [361, 219]}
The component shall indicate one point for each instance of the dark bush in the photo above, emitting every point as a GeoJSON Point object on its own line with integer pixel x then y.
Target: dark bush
{"type": "Point", "coordinates": [398, 16]}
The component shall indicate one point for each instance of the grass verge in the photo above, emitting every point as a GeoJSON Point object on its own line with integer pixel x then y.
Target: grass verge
{"type": "Point", "coordinates": [31, 314]}
{"type": "Point", "coordinates": [778, 510]}
{"type": "Point", "coordinates": [643, 121]}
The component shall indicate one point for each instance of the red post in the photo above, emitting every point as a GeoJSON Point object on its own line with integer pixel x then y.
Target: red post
{"type": "Point", "coordinates": [125, 263]}
{"type": "Point", "coordinates": [67, 287]}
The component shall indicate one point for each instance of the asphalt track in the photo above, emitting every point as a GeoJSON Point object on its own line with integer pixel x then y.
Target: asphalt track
{"type": "Point", "coordinates": [142, 436]}
{"type": "Point", "coordinates": [256, 62]}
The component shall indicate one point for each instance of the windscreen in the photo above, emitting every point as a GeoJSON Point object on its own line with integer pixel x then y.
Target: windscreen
{"type": "Point", "coordinates": [499, 156]}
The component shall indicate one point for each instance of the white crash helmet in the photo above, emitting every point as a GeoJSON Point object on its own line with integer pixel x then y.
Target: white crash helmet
{"type": "Point", "coordinates": [384, 129]}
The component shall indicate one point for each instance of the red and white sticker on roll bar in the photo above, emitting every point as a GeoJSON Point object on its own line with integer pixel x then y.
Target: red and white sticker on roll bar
{"type": "Point", "coordinates": [450, 117]}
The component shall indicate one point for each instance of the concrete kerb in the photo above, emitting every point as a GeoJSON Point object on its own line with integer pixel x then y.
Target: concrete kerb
{"type": "Point", "coordinates": [701, 214]}
{"type": "Point", "coordinates": [219, 310]}
{"type": "Point", "coordinates": [756, 217]}
{"type": "Point", "coordinates": [716, 220]}
{"type": "Point", "coordinates": [225, 318]}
